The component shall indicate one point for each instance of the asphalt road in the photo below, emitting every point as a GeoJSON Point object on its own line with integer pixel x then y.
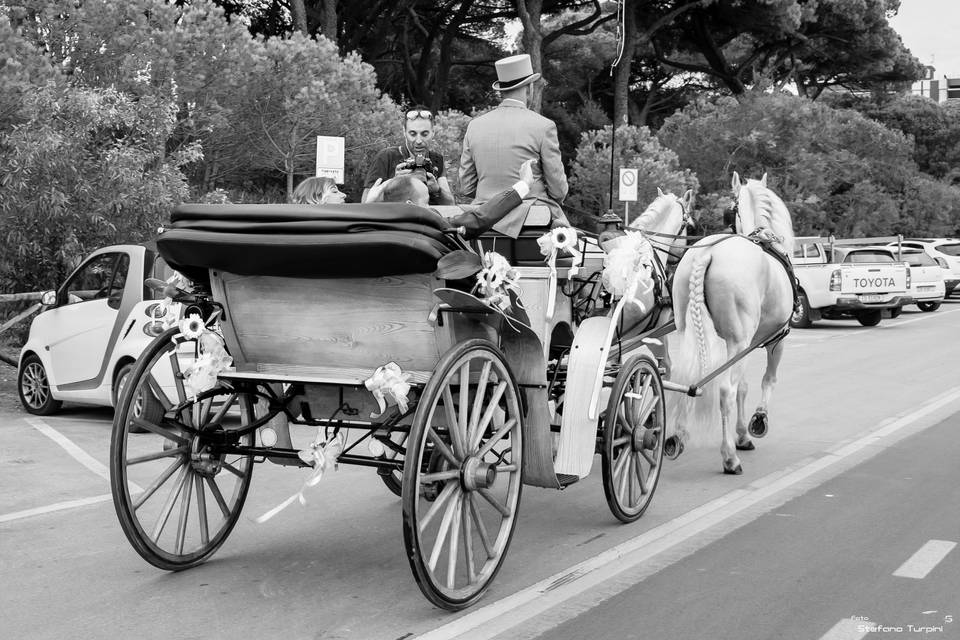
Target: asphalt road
{"type": "Point", "coordinates": [864, 415]}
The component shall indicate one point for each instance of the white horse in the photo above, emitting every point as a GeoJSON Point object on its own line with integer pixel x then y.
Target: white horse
{"type": "Point", "coordinates": [668, 215]}
{"type": "Point", "coordinates": [729, 297]}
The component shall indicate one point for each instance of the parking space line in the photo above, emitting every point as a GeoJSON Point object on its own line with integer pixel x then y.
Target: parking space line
{"type": "Point", "coordinates": [925, 559]}
{"type": "Point", "coordinates": [75, 452]}
{"type": "Point", "coordinates": [60, 506]}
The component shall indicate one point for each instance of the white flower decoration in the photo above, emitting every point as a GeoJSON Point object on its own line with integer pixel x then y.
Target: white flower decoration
{"type": "Point", "coordinates": [192, 327]}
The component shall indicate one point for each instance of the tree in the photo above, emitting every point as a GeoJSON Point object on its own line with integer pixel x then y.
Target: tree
{"type": "Point", "coordinates": [297, 89]}
{"type": "Point", "coordinates": [658, 166]}
{"type": "Point", "coordinates": [85, 168]}
{"type": "Point", "coordinates": [837, 171]}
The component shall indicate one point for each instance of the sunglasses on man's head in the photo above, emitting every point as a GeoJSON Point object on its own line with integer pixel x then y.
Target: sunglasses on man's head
{"type": "Point", "coordinates": [422, 113]}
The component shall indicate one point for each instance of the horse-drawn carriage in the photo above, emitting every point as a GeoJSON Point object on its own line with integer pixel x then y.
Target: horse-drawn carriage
{"type": "Point", "coordinates": [361, 320]}
{"type": "Point", "coordinates": [351, 319]}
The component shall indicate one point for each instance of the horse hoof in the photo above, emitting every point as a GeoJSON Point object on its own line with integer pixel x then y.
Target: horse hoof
{"type": "Point", "coordinates": [745, 444]}
{"type": "Point", "coordinates": [758, 425]}
{"type": "Point", "coordinates": [735, 471]}
{"type": "Point", "coordinates": [672, 448]}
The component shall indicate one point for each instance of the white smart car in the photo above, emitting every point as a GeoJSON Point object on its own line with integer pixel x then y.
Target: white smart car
{"type": "Point", "coordinates": [83, 344]}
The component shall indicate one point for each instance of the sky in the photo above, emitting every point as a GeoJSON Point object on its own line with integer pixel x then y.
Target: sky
{"type": "Point", "coordinates": [931, 30]}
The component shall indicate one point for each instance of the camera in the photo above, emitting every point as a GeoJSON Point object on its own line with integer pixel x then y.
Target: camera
{"type": "Point", "coordinates": [419, 161]}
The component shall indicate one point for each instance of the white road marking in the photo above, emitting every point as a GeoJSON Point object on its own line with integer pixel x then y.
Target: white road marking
{"type": "Point", "coordinates": [60, 506]}
{"type": "Point", "coordinates": [848, 629]}
{"type": "Point", "coordinates": [511, 611]}
{"type": "Point", "coordinates": [925, 559]}
{"type": "Point", "coordinates": [925, 316]}
{"type": "Point", "coordinates": [75, 452]}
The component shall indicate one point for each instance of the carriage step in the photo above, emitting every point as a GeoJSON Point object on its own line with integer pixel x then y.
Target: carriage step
{"type": "Point", "coordinates": [566, 479]}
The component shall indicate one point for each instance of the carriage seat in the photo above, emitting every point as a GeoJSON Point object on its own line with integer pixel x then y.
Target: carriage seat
{"type": "Point", "coordinates": [348, 240]}
{"type": "Point", "coordinates": [524, 250]}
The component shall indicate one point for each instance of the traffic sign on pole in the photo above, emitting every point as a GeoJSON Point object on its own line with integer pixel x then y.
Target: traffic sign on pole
{"type": "Point", "coordinates": [330, 151]}
{"type": "Point", "coordinates": [628, 185]}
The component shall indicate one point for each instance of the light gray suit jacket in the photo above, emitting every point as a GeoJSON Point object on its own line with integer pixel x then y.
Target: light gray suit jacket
{"type": "Point", "coordinates": [495, 146]}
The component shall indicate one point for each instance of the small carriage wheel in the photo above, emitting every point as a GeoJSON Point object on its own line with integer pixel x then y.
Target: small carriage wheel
{"type": "Point", "coordinates": [177, 495]}
{"type": "Point", "coordinates": [460, 509]}
{"type": "Point", "coordinates": [633, 436]}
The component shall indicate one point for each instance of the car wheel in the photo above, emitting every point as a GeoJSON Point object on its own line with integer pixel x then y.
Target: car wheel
{"type": "Point", "coordinates": [33, 385]}
{"type": "Point", "coordinates": [146, 406]}
{"type": "Point", "coordinates": [870, 318]}
{"type": "Point", "coordinates": [801, 315]}
{"type": "Point", "coordinates": [928, 306]}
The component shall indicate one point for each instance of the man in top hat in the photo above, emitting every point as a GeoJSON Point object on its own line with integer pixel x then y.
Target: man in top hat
{"type": "Point", "coordinates": [497, 142]}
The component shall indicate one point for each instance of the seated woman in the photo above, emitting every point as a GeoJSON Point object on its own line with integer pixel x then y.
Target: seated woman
{"type": "Point", "coordinates": [318, 191]}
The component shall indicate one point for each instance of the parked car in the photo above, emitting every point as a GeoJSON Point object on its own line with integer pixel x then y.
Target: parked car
{"type": "Point", "coordinates": [946, 252]}
{"type": "Point", "coordinates": [926, 279]}
{"type": "Point", "coordinates": [83, 344]}
{"type": "Point", "coordinates": [839, 281]}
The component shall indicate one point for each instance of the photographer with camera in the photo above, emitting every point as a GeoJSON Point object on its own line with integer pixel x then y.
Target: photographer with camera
{"type": "Point", "coordinates": [414, 157]}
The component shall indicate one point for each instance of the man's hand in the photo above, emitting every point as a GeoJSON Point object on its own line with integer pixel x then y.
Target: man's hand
{"type": "Point", "coordinates": [432, 185]}
{"type": "Point", "coordinates": [401, 170]}
{"type": "Point", "coordinates": [526, 172]}
{"type": "Point", "coordinates": [375, 191]}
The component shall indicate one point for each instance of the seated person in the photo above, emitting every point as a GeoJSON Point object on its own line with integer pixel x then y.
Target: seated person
{"type": "Point", "coordinates": [473, 221]}
{"type": "Point", "coordinates": [318, 190]}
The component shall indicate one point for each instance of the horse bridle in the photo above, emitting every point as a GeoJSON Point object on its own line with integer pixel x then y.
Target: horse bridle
{"type": "Point", "coordinates": [686, 226]}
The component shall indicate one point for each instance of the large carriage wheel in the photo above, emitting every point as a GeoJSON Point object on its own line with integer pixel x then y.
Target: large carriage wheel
{"type": "Point", "coordinates": [462, 475]}
{"type": "Point", "coordinates": [176, 495]}
{"type": "Point", "coordinates": [633, 436]}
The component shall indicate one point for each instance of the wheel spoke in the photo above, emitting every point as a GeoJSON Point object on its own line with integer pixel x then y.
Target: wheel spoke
{"type": "Point", "coordinates": [168, 505]}
{"type": "Point", "coordinates": [159, 455]}
{"type": "Point", "coordinates": [624, 475]}
{"type": "Point", "coordinates": [489, 497]}
{"type": "Point", "coordinates": [202, 510]}
{"type": "Point", "coordinates": [502, 431]}
{"type": "Point", "coordinates": [619, 442]}
{"type": "Point", "coordinates": [184, 512]}
{"type": "Point", "coordinates": [158, 392]}
{"type": "Point", "coordinates": [481, 528]}
{"type": "Point", "coordinates": [442, 532]}
{"type": "Point", "coordinates": [634, 466]}
{"type": "Point", "coordinates": [163, 477]}
{"type": "Point", "coordinates": [450, 474]}
{"type": "Point", "coordinates": [464, 408]}
{"type": "Point", "coordinates": [641, 476]}
{"type": "Point", "coordinates": [169, 434]}
{"type": "Point", "coordinates": [232, 469]}
{"type": "Point", "coordinates": [622, 418]}
{"type": "Point", "coordinates": [467, 538]}
{"type": "Point", "coordinates": [452, 422]}
{"type": "Point", "coordinates": [454, 551]}
{"type": "Point", "coordinates": [646, 456]}
{"type": "Point", "coordinates": [215, 490]}
{"type": "Point", "coordinates": [618, 465]}
{"type": "Point", "coordinates": [222, 411]}
{"type": "Point", "coordinates": [437, 505]}
{"type": "Point", "coordinates": [647, 409]}
{"type": "Point", "coordinates": [488, 414]}
{"type": "Point", "coordinates": [443, 448]}
{"type": "Point", "coordinates": [475, 412]}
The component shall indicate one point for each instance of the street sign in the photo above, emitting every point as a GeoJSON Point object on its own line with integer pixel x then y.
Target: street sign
{"type": "Point", "coordinates": [628, 185]}
{"type": "Point", "coordinates": [330, 157]}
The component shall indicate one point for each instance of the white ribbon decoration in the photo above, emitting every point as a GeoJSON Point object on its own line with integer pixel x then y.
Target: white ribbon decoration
{"type": "Point", "coordinates": [551, 244]}
{"type": "Point", "coordinates": [496, 279]}
{"type": "Point", "coordinates": [388, 382]}
{"type": "Point", "coordinates": [627, 268]}
{"type": "Point", "coordinates": [321, 456]}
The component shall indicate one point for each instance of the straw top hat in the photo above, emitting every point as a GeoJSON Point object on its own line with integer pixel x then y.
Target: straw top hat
{"type": "Point", "coordinates": [514, 72]}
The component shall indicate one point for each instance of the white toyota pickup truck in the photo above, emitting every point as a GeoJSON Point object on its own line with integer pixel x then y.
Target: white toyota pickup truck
{"type": "Point", "coordinates": [848, 279]}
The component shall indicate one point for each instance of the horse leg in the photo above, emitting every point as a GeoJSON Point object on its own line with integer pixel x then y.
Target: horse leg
{"type": "Point", "coordinates": [743, 441]}
{"type": "Point", "coordinates": [728, 396]}
{"type": "Point", "coordinates": [758, 423]}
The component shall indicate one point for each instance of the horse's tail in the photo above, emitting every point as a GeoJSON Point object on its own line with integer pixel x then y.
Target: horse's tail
{"type": "Point", "coordinates": [698, 352]}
